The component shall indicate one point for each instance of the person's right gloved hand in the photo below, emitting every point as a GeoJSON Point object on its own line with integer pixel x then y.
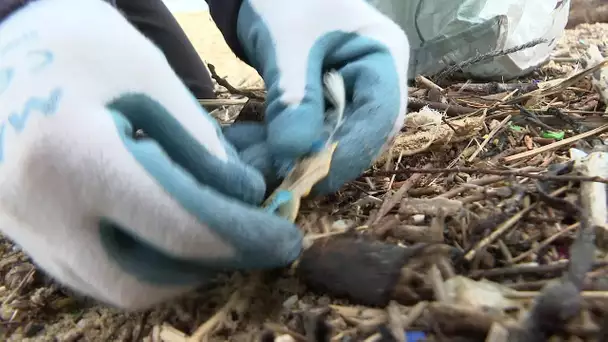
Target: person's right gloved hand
{"type": "Point", "coordinates": [292, 44]}
{"type": "Point", "coordinates": [128, 221]}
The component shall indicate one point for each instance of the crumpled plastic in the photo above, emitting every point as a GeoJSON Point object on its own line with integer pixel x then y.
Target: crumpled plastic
{"type": "Point", "coordinates": [482, 295]}
{"type": "Point", "coordinates": [442, 33]}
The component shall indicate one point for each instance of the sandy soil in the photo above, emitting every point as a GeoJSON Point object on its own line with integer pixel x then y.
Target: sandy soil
{"type": "Point", "coordinates": [210, 44]}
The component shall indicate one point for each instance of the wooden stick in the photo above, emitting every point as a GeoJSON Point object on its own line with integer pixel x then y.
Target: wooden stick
{"type": "Point", "coordinates": [544, 243]}
{"type": "Point", "coordinates": [221, 102]}
{"type": "Point", "coordinates": [602, 295]}
{"type": "Point", "coordinates": [556, 144]}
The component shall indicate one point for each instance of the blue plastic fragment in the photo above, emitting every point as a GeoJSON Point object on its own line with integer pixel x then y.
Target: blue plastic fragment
{"type": "Point", "coordinates": [280, 198]}
{"type": "Point", "coordinates": [415, 336]}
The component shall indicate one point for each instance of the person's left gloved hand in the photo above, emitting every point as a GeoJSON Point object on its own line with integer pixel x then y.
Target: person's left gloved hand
{"type": "Point", "coordinates": [128, 220]}
{"type": "Point", "coordinates": [291, 44]}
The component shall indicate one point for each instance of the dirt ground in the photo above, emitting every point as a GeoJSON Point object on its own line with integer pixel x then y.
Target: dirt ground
{"type": "Point", "coordinates": [587, 11]}
{"type": "Point", "coordinates": [210, 44]}
{"type": "Point", "coordinates": [34, 308]}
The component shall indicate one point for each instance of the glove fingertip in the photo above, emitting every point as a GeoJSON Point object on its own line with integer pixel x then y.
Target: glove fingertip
{"type": "Point", "coordinates": [263, 240]}
{"type": "Point", "coordinates": [242, 135]}
{"type": "Point", "coordinates": [288, 244]}
{"type": "Point", "coordinates": [284, 248]}
{"type": "Point", "coordinates": [294, 132]}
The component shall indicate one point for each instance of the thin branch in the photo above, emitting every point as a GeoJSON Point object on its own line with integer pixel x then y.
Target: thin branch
{"type": "Point", "coordinates": [518, 173]}
{"type": "Point", "coordinates": [231, 89]}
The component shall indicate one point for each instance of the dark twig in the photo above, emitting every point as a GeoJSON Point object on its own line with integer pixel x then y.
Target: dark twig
{"type": "Point", "coordinates": [564, 178]}
{"type": "Point", "coordinates": [576, 126]}
{"type": "Point", "coordinates": [495, 87]}
{"type": "Point", "coordinates": [560, 301]}
{"type": "Point", "coordinates": [221, 81]}
{"type": "Point", "coordinates": [533, 118]}
{"type": "Point", "coordinates": [516, 271]}
{"type": "Point", "coordinates": [566, 206]}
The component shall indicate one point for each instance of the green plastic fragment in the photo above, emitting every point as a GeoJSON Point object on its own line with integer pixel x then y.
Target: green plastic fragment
{"type": "Point", "coordinates": [516, 128]}
{"type": "Point", "coordinates": [553, 135]}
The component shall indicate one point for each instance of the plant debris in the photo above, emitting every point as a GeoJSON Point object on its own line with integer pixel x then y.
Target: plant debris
{"type": "Point", "coordinates": [489, 214]}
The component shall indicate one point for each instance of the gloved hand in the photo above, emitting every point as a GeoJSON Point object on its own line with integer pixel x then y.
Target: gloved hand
{"type": "Point", "coordinates": [291, 44]}
{"type": "Point", "coordinates": [128, 221]}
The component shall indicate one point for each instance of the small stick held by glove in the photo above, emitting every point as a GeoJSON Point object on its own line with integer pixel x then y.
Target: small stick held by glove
{"type": "Point", "coordinates": [310, 170]}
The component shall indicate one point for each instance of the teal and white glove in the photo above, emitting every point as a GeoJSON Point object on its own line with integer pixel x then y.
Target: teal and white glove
{"type": "Point", "coordinates": [128, 221]}
{"type": "Point", "coordinates": [291, 43]}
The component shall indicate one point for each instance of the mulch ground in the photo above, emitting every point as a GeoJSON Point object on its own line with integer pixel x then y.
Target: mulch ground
{"type": "Point", "coordinates": [507, 175]}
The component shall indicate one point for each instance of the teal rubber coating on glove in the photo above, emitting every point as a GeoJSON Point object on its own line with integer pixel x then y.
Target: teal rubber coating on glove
{"type": "Point", "coordinates": [296, 140]}
{"type": "Point", "coordinates": [274, 242]}
{"type": "Point", "coordinates": [146, 113]}
{"type": "Point", "coordinates": [249, 138]}
{"type": "Point", "coordinates": [372, 93]}
{"type": "Point", "coordinates": [318, 146]}
{"type": "Point", "coordinates": [257, 155]}
{"type": "Point", "coordinates": [242, 135]}
{"type": "Point", "coordinates": [146, 262]}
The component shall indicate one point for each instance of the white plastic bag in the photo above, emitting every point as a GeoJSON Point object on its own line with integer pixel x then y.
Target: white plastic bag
{"type": "Point", "coordinates": [444, 32]}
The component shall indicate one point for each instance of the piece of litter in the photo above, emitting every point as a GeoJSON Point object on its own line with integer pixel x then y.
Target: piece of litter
{"type": "Point", "coordinates": [299, 182]}
{"type": "Point", "coordinates": [284, 338]}
{"type": "Point", "coordinates": [340, 225]}
{"type": "Point", "coordinates": [576, 154]}
{"type": "Point", "coordinates": [290, 302]}
{"type": "Point", "coordinates": [415, 336]}
{"type": "Point", "coordinates": [418, 218]}
{"type": "Point", "coordinates": [516, 128]}
{"type": "Point", "coordinates": [481, 295]}
{"type": "Point", "coordinates": [553, 135]}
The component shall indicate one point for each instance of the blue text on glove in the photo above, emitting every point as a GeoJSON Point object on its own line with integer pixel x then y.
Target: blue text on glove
{"type": "Point", "coordinates": [34, 60]}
